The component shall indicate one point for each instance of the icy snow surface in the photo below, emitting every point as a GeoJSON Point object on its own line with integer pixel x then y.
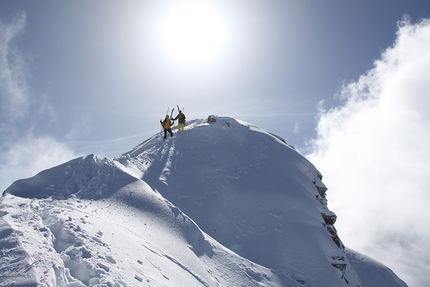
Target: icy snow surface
{"type": "Point", "coordinates": [222, 203]}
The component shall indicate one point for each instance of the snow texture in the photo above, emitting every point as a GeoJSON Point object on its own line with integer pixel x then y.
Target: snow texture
{"type": "Point", "coordinates": [223, 203]}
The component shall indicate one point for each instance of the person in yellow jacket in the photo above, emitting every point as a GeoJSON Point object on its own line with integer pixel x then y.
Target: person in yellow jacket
{"type": "Point", "coordinates": [166, 124]}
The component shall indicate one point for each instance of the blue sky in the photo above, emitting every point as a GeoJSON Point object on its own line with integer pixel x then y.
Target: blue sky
{"type": "Point", "coordinates": [339, 80]}
{"type": "Point", "coordinates": [97, 72]}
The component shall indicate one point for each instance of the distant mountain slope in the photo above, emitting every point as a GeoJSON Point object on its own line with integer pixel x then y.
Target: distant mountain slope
{"type": "Point", "coordinates": [221, 178]}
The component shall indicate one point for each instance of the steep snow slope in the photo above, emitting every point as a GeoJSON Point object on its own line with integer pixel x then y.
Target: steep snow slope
{"type": "Point", "coordinates": [371, 272]}
{"type": "Point", "coordinates": [244, 187]}
{"type": "Point", "coordinates": [252, 193]}
{"type": "Point", "coordinates": [133, 238]}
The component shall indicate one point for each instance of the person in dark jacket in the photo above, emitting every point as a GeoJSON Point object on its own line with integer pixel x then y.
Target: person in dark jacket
{"type": "Point", "coordinates": [166, 124]}
{"type": "Point", "coordinates": [181, 120]}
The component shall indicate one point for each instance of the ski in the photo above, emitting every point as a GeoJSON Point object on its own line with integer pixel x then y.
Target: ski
{"type": "Point", "coordinates": [180, 109]}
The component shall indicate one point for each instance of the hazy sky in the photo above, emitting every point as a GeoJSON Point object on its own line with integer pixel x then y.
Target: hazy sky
{"type": "Point", "coordinates": [81, 77]}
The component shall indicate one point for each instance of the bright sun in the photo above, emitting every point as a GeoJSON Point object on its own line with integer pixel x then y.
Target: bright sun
{"type": "Point", "coordinates": [193, 32]}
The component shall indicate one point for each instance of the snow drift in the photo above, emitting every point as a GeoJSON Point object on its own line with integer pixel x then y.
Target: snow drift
{"type": "Point", "coordinates": [222, 203]}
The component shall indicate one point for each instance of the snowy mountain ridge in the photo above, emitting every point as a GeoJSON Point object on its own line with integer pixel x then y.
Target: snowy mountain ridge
{"type": "Point", "coordinates": [223, 203]}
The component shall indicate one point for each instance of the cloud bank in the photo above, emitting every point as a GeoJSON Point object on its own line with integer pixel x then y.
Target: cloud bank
{"type": "Point", "coordinates": [373, 151]}
{"type": "Point", "coordinates": [21, 153]}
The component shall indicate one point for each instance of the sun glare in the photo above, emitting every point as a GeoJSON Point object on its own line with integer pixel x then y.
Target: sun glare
{"type": "Point", "coordinates": [193, 32]}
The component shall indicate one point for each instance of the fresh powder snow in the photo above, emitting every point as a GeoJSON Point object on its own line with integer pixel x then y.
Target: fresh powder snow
{"type": "Point", "coordinates": [223, 203]}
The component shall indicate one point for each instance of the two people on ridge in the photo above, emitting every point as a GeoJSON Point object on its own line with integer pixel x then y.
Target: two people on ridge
{"type": "Point", "coordinates": [167, 123]}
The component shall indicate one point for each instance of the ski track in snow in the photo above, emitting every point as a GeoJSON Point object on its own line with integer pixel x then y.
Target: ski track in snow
{"type": "Point", "coordinates": [63, 226]}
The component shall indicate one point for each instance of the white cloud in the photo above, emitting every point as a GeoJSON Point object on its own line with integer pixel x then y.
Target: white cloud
{"type": "Point", "coordinates": [14, 90]}
{"type": "Point", "coordinates": [22, 154]}
{"type": "Point", "coordinates": [374, 154]}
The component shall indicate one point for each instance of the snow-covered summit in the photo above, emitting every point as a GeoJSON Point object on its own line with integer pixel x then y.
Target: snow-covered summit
{"type": "Point", "coordinates": [170, 213]}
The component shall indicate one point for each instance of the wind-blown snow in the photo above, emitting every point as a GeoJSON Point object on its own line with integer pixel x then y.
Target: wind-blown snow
{"type": "Point", "coordinates": [222, 203]}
